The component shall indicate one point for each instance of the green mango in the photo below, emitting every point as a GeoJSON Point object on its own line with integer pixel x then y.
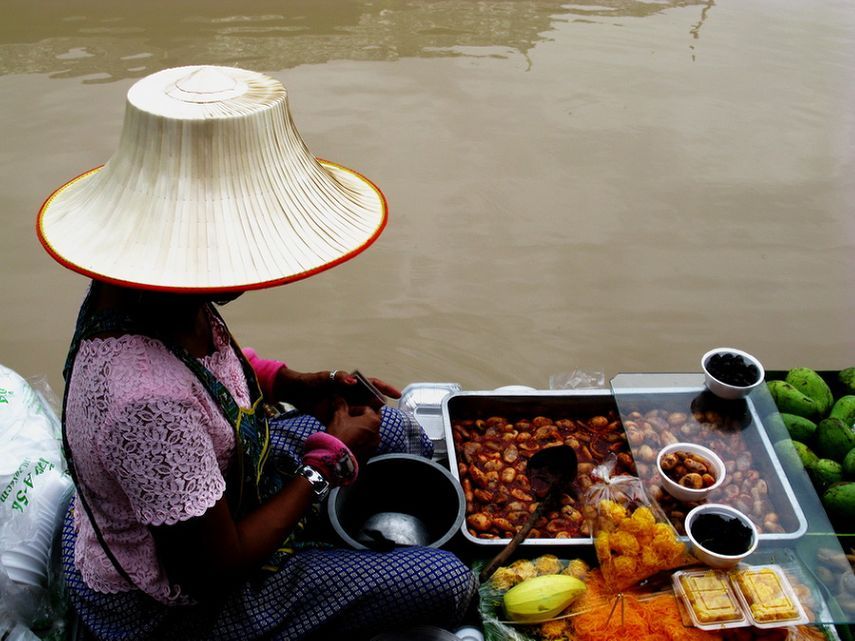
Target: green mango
{"type": "Point", "coordinates": [794, 454]}
{"type": "Point", "coordinates": [807, 456]}
{"type": "Point", "coordinates": [799, 427]}
{"type": "Point", "coordinates": [844, 409]}
{"type": "Point", "coordinates": [774, 425]}
{"type": "Point", "coordinates": [839, 501]}
{"type": "Point", "coordinates": [847, 377]}
{"type": "Point", "coordinates": [811, 384]}
{"type": "Point", "coordinates": [833, 439]}
{"type": "Point", "coordinates": [825, 472]}
{"type": "Point", "coordinates": [791, 400]}
{"type": "Point", "coordinates": [849, 465]}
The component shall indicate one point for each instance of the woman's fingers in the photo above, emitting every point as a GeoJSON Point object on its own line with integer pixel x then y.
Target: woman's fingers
{"type": "Point", "coordinates": [388, 390]}
{"type": "Point", "coordinates": [358, 426]}
{"type": "Point", "coordinates": [340, 377]}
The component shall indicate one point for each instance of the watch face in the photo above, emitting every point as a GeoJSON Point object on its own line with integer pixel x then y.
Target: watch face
{"type": "Point", "coordinates": [320, 486]}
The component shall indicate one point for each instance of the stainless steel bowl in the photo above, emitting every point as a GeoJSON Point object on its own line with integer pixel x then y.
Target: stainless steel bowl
{"type": "Point", "coordinates": [398, 500]}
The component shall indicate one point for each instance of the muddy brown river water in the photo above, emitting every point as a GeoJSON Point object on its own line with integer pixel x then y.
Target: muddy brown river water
{"type": "Point", "coordinates": [614, 185]}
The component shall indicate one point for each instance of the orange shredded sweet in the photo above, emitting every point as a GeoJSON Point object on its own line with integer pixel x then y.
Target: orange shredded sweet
{"type": "Point", "coordinates": [657, 617]}
{"type": "Point", "coordinates": [654, 619]}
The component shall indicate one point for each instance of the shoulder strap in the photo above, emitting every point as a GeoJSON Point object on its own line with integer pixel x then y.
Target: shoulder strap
{"type": "Point", "coordinates": [79, 334]}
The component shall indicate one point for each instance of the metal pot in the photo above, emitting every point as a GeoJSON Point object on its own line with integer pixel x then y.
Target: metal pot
{"type": "Point", "coordinates": [398, 500]}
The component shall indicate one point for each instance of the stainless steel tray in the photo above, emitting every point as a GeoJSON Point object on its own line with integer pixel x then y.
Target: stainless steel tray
{"type": "Point", "coordinates": [555, 403]}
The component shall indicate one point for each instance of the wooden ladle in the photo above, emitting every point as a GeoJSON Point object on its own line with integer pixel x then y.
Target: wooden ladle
{"type": "Point", "coordinates": [550, 472]}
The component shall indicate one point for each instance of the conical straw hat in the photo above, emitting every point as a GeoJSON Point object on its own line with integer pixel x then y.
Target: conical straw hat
{"type": "Point", "coordinates": [211, 189]}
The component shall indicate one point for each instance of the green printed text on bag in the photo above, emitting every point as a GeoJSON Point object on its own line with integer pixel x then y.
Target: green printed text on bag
{"type": "Point", "coordinates": [18, 487]}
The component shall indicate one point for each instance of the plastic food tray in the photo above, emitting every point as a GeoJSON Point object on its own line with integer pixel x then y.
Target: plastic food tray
{"type": "Point", "coordinates": [709, 599]}
{"type": "Point", "coordinates": [767, 587]}
{"type": "Point", "coordinates": [424, 402]}
{"type": "Point", "coordinates": [780, 493]}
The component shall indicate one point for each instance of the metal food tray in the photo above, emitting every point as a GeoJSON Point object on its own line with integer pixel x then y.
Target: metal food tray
{"type": "Point", "coordinates": [755, 432]}
{"type": "Point", "coordinates": [483, 404]}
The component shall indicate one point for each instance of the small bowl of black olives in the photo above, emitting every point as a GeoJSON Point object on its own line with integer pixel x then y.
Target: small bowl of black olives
{"type": "Point", "coordinates": [731, 373]}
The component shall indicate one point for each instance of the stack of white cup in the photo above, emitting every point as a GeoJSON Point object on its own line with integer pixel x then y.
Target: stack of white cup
{"type": "Point", "coordinates": [12, 631]}
{"type": "Point", "coordinates": [27, 561]}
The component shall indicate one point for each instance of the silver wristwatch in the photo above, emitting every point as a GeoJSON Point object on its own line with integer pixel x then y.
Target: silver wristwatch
{"type": "Point", "coordinates": [320, 486]}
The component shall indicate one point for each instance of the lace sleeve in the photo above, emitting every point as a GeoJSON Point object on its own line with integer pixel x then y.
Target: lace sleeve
{"type": "Point", "coordinates": [163, 457]}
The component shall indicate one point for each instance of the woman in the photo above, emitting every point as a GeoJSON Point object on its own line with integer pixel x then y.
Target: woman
{"type": "Point", "coordinates": [193, 511]}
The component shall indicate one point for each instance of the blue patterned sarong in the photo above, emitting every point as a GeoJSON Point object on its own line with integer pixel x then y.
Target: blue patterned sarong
{"type": "Point", "coordinates": [315, 594]}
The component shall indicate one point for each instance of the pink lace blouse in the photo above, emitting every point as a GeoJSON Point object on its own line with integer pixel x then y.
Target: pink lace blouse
{"type": "Point", "coordinates": [151, 447]}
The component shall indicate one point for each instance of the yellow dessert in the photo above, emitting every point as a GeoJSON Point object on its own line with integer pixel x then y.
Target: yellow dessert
{"type": "Point", "coordinates": [709, 598]}
{"type": "Point", "coordinates": [765, 595]}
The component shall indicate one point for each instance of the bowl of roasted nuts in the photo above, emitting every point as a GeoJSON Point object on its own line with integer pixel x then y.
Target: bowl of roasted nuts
{"type": "Point", "coordinates": [730, 373]}
{"type": "Point", "coordinates": [689, 472]}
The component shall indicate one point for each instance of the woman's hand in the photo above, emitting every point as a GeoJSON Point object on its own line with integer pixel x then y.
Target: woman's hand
{"type": "Point", "coordinates": [314, 393]}
{"type": "Point", "coordinates": [344, 382]}
{"type": "Point", "coordinates": [358, 427]}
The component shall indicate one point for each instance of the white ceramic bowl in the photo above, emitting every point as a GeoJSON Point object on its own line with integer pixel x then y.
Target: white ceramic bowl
{"type": "Point", "coordinates": [714, 559]}
{"type": "Point", "coordinates": [725, 390]}
{"type": "Point", "coordinates": [681, 492]}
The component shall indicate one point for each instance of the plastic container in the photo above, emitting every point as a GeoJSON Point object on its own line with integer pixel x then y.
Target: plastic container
{"type": "Point", "coordinates": [709, 599]}
{"type": "Point", "coordinates": [681, 492]}
{"type": "Point", "coordinates": [424, 402]}
{"type": "Point", "coordinates": [767, 597]}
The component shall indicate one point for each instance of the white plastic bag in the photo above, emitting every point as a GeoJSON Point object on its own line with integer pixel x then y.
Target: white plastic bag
{"type": "Point", "coordinates": [34, 490]}
{"type": "Point", "coordinates": [29, 426]}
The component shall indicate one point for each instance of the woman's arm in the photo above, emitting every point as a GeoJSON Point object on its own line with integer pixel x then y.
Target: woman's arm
{"type": "Point", "coordinates": [310, 392]}
{"type": "Point", "coordinates": [209, 553]}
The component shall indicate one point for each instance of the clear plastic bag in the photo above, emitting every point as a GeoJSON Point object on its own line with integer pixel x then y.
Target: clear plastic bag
{"type": "Point", "coordinates": [578, 379]}
{"type": "Point", "coordinates": [633, 539]}
{"type": "Point", "coordinates": [10, 630]}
